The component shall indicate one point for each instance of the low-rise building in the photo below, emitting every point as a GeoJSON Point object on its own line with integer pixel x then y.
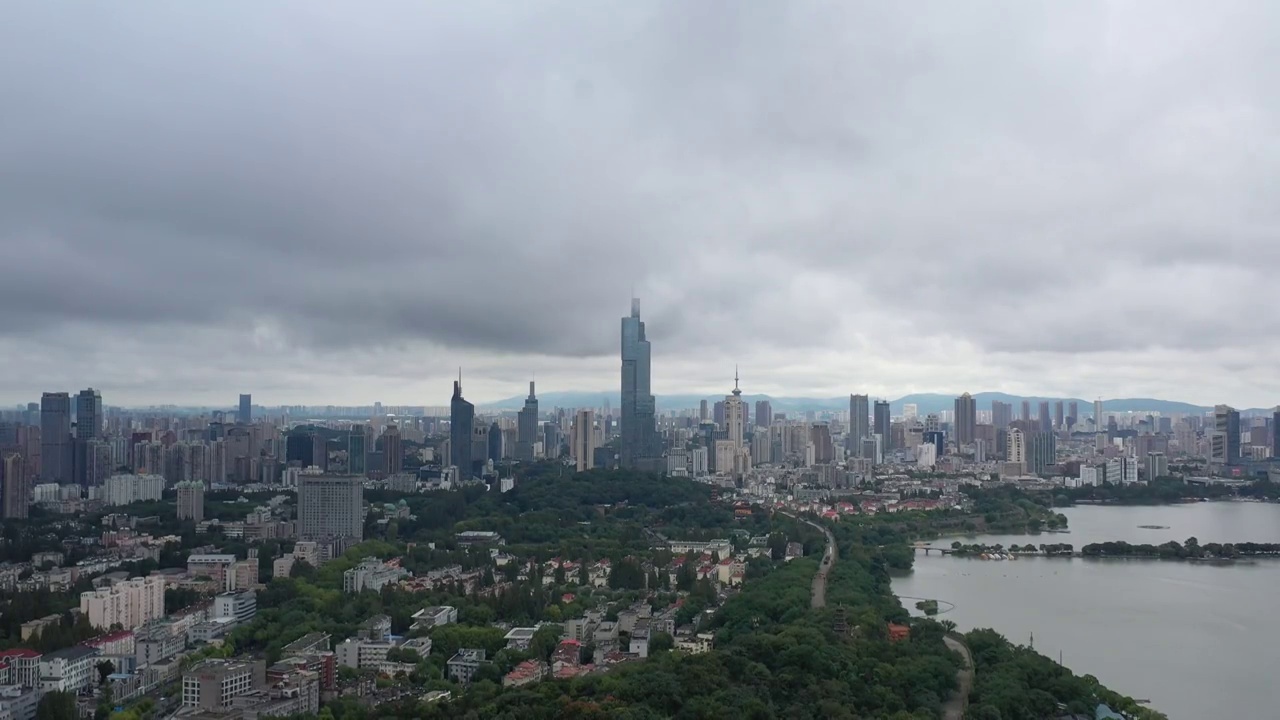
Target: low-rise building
{"type": "Point", "coordinates": [372, 574]}
{"type": "Point", "coordinates": [464, 664]}
{"type": "Point", "coordinates": [520, 638]}
{"type": "Point", "coordinates": [67, 670]}
{"type": "Point", "coordinates": [239, 606]}
{"type": "Point", "coordinates": [430, 617]}
{"type": "Point", "coordinates": [529, 671]}
{"type": "Point", "coordinates": [18, 702]}
{"type": "Point", "coordinates": [20, 666]}
{"type": "Point", "coordinates": [214, 684]}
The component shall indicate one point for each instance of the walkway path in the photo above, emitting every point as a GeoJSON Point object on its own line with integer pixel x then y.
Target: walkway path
{"type": "Point", "coordinates": [819, 593]}
{"type": "Point", "coordinates": [954, 708]}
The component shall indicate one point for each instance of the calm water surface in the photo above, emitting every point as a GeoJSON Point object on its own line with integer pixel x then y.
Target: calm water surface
{"type": "Point", "coordinates": [1197, 640]}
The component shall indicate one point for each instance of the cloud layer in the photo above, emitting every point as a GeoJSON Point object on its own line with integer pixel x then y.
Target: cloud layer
{"type": "Point", "coordinates": [342, 202]}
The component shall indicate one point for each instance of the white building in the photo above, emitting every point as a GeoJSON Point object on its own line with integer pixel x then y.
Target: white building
{"type": "Point", "coordinates": [371, 574]}
{"type": "Point", "coordinates": [19, 703]}
{"type": "Point", "coordinates": [927, 455]}
{"type": "Point", "coordinates": [239, 606]}
{"type": "Point", "coordinates": [69, 670]}
{"type": "Point", "coordinates": [1018, 448]}
{"type": "Point", "coordinates": [213, 684]}
{"type": "Point", "coordinates": [126, 489]}
{"type": "Point", "coordinates": [127, 604]}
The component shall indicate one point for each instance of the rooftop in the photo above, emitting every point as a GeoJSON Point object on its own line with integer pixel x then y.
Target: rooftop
{"type": "Point", "coordinates": [72, 654]}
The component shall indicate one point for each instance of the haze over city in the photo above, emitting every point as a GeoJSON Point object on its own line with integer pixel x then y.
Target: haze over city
{"type": "Point", "coordinates": [344, 203]}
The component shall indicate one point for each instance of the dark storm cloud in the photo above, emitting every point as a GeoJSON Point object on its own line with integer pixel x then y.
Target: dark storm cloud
{"type": "Point", "coordinates": [1016, 177]}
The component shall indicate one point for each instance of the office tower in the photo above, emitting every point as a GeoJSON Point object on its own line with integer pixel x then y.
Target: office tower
{"type": "Point", "coordinates": [1026, 410]}
{"type": "Point", "coordinates": [1017, 448]}
{"type": "Point", "coordinates": [527, 427]}
{"type": "Point", "coordinates": [1042, 452]}
{"type": "Point", "coordinates": [584, 444]}
{"type": "Point", "coordinates": [299, 447]}
{"type": "Point", "coordinates": [639, 444]}
{"type": "Point", "coordinates": [392, 450]}
{"type": "Point", "coordinates": [1045, 422]}
{"type": "Point", "coordinates": [733, 414]}
{"type": "Point", "coordinates": [245, 416]}
{"type": "Point", "coordinates": [191, 500]}
{"type": "Point", "coordinates": [859, 421]}
{"type": "Point", "coordinates": [1226, 435]}
{"type": "Point", "coordinates": [764, 413]}
{"type": "Point", "coordinates": [357, 451]}
{"type": "Point", "coordinates": [88, 414]}
{"type": "Point", "coordinates": [966, 418]}
{"type": "Point", "coordinates": [703, 411]}
{"type": "Point", "coordinates": [883, 425]}
{"type": "Point", "coordinates": [910, 411]}
{"type": "Point", "coordinates": [717, 414]}
{"type": "Point", "coordinates": [495, 443]}
{"type": "Point", "coordinates": [462, 418]}
{"type": "Point", "coordinates": [32, 415]}
{"type": "Point", "coordinates": [1001, 414]}
{"type": "Point", "coordinates": [1275, 433]}
{"type": "Point", "coordinates": [55, 438]}
{"type": "Point", "coordinates": [1073, 416]}
{"type": "Point", "coordinates": [1059, 415]}
{"type": "Point", "coordinates": [1157, 465]}
{"type": "Point", "coordinates": [330, 507]}
{"type": "Point", "coordinates": [14, 493]}
{"type": "Point", "coordinates": [551, 443]}
{"type": "Point", "coordinates": [1098, 424]}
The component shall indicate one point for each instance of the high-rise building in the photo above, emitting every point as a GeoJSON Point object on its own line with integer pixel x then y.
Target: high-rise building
{"type": "Point", "coordinates": [128, 604]}
{"type": "Point", "coordinates": [462, 419]}
{"type": "Point", "coordinates": [190, 500]}
{"type": "Point", "coordinates": [966, 418]}
{"type": "Point", "coordinates": [734, 420]}
{"type": "Point", "coordinates": [392, 450]}
{"type": "Point", "coordinates": [859, 423]}
{"type": "Point", "coordinates": [1017, 448]}
{"type": "Point", "coordinates": [1026, 410]}
{"type": "Point", "coordinates": [584, 443]}
{"type": "Point", "coordinates": [1059, 415]}
{"type": "Point", "coordinates": [357, 451]}
{"type": "Point", "coordinates": [245, 416]}
{"type": "Point", "coordinates": [1226, 436]}
{"type": "Point", "coordinates": [55, 439]}
{"type": "Point", "coordinates": [1046, 420]}
{"type": "Point", "coordinates": [1042, 452]}
{"type": "Point", "coordinates": [883, 425]}
{"type": "Point", "coordinates": [639, 443]}
{"type": "Point", "coordinates": [1098, 424]}
{"type": "Point", "coordinates": [1001, 414]}
{"type": "Point", "coordinates": [88, 414]}
{"type": "Point", "coordinates": [15, 496]}
{"type": "Point", "coordinates": [330, 506]}
{"type": "Point", "coordinates": [703, 411]}
{"type": "Point", "coordinates": [1275, 433]}
{"type": "Point", "coordinates": [1073, 414]}
{"type": "Point", "coordinates": [717, 414]}
{"type": "Point", "coordinates": [764, 413]}
{"type": "Point", "coordinates": [495, 450]}
{"type": "Point", "coordinates": [1157, 465]}
{"type": "Point", "coordinates": [527, 427]}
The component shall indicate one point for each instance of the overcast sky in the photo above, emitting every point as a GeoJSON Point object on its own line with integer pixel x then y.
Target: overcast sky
{"type": "Point", "coordinates": [343, 202]}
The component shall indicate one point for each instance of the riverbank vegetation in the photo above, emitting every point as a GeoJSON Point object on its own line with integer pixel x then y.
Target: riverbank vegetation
{"type": "Point", "coordinates": [1173, 550]}
{"type": "Point", "coordinates": [961, 549]}
{"type": "Point", "coordinates": [1161, 491]}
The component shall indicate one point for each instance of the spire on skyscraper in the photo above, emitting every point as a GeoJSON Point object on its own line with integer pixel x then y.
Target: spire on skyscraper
{"type": "Point", "coordinates": [736, 391]}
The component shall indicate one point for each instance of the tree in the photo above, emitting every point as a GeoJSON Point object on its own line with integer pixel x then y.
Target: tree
{"type": "Point", "coordinates": [105, 668]}
{"type": "Point", "coordinates": [57, 705]}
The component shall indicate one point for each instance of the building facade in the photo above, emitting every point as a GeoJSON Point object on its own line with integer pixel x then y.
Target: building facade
{"type": "Point", "coordinates": [462, 418]}
{"type": "Point", "coordinates": [639, 441]}
{"type": "Point", "coordinates": [330, 506]}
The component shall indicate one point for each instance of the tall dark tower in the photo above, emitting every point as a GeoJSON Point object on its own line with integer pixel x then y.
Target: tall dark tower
{"type": "Point", "coordinates": [462, 418]}
{"type": "Point", "coordinates": [883, 425]}
{"type": "Point", "coordinates": [966, 418]}
{"type": "Point", "coordinates": [55, 438]}
{"type": "Point", "coordinates": [88, 427]}
{"type": "Point", "coordinates": [527, 427]}
{"type": "Point", "coordinates": [245, 416]}
{"type": "Point", "coordinates": [639, 436]}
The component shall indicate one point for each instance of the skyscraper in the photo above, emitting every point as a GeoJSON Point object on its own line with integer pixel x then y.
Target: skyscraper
{"type": "Point", "coordinates": [1042, 452]}
{"type": "Point", "coordinates": [357, 452]}
{"type": "Point", "coordinates": [55, 438]}
{"type": "Point", "coordinates": [1059, 415]}
{"type": "Point", "coordinates": [1073, 414]}
{"type": "Point", "coordinates": [330, 507]}
{"type": "Point", "coordinates": [966, 418]}
{"type": "Point", "coordinates": [1017, 448]}
{"type": "Point", "coordinates": [583, 445]}
{"type": "Point", "coordinates": [764, 413]}
{"type": "Point", "coordinates": [639, 442]}
{"type": "Point", "coordinates": [1275, 433]}
{"type": "Point", "coordinates": [1046, 421]}
{"type": "Point", "coordinates": [1098, 424]}
{"type": "Point", "coordinates": [1001, 414]}
{"type": "Point", "coordinates": [859, 423]}
{"type": "Point", "coordinates": [392, 450]}
{"type": "Point", "coordinates": [191, 500]}
{"type": "Point", "coordinates": [527, 427]}
{"type": "Point", "coordinates": [703, 411]}
{"type": "Point", "coordinates": [1026, 410]}
{"type": "Point", "coordinates": [494, 443]}
{"type": "Point", "coordinates": [462, 418]}
{"type": "Point", "coordinates": [733, 414]}
{"type": "Point", "coordinates": [14, 493]}
{"type": "Point", "coordinates": [1226, 437]}
{"type": "Point", "coordinates": [883, 425]}
{"type": "Point", "coordinates": [245, 416]}
{"type": "Point", "coordinates": [88, 427]}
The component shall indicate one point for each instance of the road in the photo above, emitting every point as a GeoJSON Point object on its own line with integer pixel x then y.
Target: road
{"type": "Point", "coordinates": [819, 593]}
{"type": "Point", "coordinates": [955, 706]}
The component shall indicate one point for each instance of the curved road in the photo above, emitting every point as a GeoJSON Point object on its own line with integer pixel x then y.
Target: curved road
{"type": "Point", "coordinates": [955, 706]}
{"type": "Point", "coordinates": [819, 594]}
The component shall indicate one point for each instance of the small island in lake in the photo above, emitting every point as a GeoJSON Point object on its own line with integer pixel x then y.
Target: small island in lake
{"type": "Point", "coordinates": [928, 607]}
{"type": "Point", "coordinates": [1153, 527]}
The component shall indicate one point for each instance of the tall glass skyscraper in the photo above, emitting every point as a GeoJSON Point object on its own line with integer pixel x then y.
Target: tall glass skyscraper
{"type": "Point", "coordinates": [462, 416]}
{"type": "Point", "coordinates": [640, 448]}
{"type": "Point", "coordinates": [245, 415]}
{"type": "Point", "coordinates": [55, 438]}
{"type": "Point", "coordinates": [527, 427]}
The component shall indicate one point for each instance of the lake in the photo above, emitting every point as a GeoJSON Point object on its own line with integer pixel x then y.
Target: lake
{"type": "Point", "coordinates": [1197, 639]}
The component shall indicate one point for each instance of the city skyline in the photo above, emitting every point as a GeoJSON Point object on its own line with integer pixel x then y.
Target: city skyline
{"type": "Point", "coordinates": [1051, 209]}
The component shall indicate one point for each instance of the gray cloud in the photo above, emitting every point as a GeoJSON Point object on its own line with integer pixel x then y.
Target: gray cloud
{"type": "Point", "coordinates": [910, 198]}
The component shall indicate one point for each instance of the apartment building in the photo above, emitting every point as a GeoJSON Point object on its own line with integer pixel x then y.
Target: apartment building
{"type": "Point", "coordinates": [128, 604]}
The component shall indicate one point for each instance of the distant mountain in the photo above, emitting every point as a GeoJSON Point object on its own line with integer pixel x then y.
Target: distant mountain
{"type": "Point", "coordinates": [925, 403]}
